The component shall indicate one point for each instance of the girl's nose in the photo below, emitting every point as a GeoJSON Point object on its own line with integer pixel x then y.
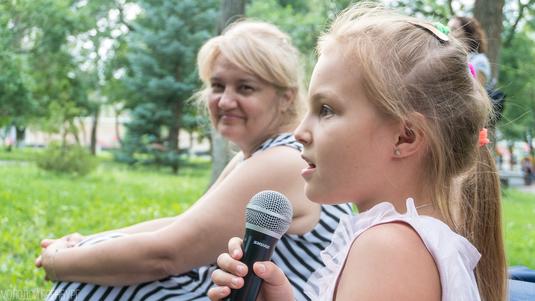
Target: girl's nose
{"type": "Point", "coordinates": [302, 134]}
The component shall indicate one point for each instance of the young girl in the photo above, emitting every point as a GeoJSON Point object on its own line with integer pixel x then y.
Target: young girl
{"type": "Point", "coordinates": [396, 124]}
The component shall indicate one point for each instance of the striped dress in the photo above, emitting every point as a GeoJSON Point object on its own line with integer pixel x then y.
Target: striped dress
{"type": "Point", "coordinates": [297, 255]}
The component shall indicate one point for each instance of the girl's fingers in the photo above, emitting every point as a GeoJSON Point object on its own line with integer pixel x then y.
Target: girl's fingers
{"type": "Point", "coordinates": [222, 278]}
{"type": "Point", "coordinates": [218, 293]}
{"type": "Point", "coordinates": [230, 265]}
{"type": "Point", "coordinates": [270, 273]}
{"type": "Point", "coordinates": [234, 248]}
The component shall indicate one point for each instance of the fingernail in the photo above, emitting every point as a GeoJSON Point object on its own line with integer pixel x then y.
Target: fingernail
{"type": "Point", "coordinates": [261, 268]}
{"type": "Point", "coordinates": [235, 281]}
{"type": "Point", "coordinates": [235, 253]}
{"type": "Point", "coordinates": [241, 269]}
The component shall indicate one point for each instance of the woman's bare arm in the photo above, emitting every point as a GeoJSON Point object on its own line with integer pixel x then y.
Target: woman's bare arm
{"type": "Point", "coordinates": [195, 237]}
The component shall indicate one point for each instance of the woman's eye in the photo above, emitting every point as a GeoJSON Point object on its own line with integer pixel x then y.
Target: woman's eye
{"type": "Point", "coordinates": [246, 89]}
{"type": "Point", "coordinates": [325, 111]}
{"type": "Point", "coordinates": [217, 87]}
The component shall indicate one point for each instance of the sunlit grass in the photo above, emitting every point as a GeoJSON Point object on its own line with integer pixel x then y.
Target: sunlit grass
{"type": "Point", "coordinates": [519, 227]}
{"type": "Point", "coordinates": [35, 204]}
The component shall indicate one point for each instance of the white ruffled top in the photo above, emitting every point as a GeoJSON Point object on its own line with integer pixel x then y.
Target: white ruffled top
{"type": "Point", "coordinates": [454, 255]}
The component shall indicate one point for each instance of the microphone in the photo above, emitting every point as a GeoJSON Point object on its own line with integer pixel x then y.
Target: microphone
{"type": "Point", "coordinates": [267, 217]}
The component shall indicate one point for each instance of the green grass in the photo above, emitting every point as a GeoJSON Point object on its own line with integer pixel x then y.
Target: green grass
{"type": "Point", "coordinates": [22, 154]}
{"type": "Point", "coordinates": [519, 227]}
{"type": "Point", "coordinates": [35, 204]}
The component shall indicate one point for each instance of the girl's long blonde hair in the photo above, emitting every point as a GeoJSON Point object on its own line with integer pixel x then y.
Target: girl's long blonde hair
{"type": "Point", "coordinates": [409, 68]}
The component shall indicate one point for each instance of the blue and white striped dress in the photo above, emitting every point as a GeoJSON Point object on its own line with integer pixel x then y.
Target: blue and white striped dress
{"type": "Point", "coordinates": [297, 255]}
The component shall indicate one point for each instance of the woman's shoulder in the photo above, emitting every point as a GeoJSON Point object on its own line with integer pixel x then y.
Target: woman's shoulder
{"type": "Point", "coordinates": [278, 159]}
{"type": "Point", "coordinates": [281, 139]}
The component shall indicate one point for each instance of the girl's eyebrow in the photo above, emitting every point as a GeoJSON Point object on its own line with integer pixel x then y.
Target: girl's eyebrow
{"type": "Point", "coordinates": [322, 95]}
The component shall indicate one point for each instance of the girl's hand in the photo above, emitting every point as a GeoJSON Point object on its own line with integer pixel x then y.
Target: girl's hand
{"type": "Point", "coordinates": [275, 287]}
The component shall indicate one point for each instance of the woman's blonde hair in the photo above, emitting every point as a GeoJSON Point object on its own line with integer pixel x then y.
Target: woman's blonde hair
{"type": "Point", "coordinates": [410, 70]}
{"type": "Point", "coordinates": [260, 49]}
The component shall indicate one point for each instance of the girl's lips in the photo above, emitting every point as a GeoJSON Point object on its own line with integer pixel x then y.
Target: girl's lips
{"type": "Point", "coordinates": [307, 172]}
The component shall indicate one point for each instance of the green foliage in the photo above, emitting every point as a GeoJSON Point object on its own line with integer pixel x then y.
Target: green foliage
{"type": "Point", "coordinates": [68, 159]}
{"type": "Point", "coordinates": [38, 68]}
{"type": "Point", "coordinates": [36, 205]}
{"type": "Point", "coordinates": [161, 77]}
{"type": "Point", "coordinates": [517, 81]}
{"type": "Point", "coordinates": [302, 20]}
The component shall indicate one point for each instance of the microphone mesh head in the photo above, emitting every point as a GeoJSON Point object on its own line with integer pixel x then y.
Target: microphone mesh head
{"type": "Point", "coordinates": [269, 212]}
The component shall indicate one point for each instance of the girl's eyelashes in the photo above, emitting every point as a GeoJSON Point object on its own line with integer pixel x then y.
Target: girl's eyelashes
{"type": "Point", "coordinates": [325, 111]}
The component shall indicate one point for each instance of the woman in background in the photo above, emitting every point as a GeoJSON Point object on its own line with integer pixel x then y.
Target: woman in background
{"type": "Point", "coordinates": [253, 91]}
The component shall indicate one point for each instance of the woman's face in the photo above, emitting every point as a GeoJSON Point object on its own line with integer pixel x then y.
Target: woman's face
{"type": "Point", "coordinates": [347, 144]}
{"type": "Point", "coordinates": [243, 108]}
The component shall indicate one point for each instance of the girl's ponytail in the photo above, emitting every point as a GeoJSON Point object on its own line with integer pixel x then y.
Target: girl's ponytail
{"type": "Point", "coordinates": [481, 215]}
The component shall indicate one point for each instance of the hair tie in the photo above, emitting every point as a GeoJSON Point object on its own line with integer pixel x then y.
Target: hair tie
{"type": "Point", "coordinates": [436, 29]}
{"type": "Point", "coordinates": [483, 138]}
{"type": "Point", "coordinates": [472, 70]}
{"type": "Point", "coordinates": [442, 28]}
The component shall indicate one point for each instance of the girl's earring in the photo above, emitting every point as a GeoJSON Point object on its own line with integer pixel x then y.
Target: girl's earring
{"type": "Point", "coordinates": [397, 152]}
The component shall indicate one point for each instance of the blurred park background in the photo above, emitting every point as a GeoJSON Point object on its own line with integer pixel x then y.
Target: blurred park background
{"type": "Point", "coordinates": [98, 130]}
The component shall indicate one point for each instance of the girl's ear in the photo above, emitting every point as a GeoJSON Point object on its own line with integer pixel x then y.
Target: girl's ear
{"type": "Point", "coordinates": [410, 137]}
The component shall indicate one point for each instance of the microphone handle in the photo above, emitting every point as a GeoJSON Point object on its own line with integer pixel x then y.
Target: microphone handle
{"type": "Point", "coordinates": [257, 246]}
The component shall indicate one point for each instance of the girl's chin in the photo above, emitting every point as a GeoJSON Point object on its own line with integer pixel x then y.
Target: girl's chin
{"type": "Point", "coordinates": [321, 198]}
{"type": "Point", "coordinates": [313, 196]}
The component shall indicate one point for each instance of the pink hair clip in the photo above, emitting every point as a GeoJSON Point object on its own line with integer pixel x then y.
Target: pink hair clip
{"type": "Point", "coordinates": [472, 70]}
{"type": "Point", "coordinates": [483, 138]}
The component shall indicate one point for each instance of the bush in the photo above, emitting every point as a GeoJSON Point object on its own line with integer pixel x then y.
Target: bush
{"type": "Point", "coordinates": [69, 159]}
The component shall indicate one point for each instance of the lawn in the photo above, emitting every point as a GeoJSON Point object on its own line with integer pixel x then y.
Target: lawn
{"type": "Point", "coordinates": [35, 204]}
{"type": "Point", "coordinates": [519, 227]}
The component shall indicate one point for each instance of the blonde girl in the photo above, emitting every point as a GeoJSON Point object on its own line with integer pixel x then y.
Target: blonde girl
{"type": "Point", "coordinates": [396, 124]}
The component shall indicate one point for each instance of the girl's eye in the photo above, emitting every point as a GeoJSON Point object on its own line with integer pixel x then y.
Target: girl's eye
{"type": "Point", "coordinates": [217, 87]}
{"type": "Point", "coordinates": [325, 111]}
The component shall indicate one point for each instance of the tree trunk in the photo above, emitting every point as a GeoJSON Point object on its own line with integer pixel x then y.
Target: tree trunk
{"type": "Point", "coordinates": [20, 135]}
{"type": "Point", "coordinates": [118, 127]}
{"type": "Point", "coordinates": [174, 132]}
{"type": "Point", "coordinates": [94, 127]}
{"type": "Point", "coordinates": [230, 11]}
{"type": "Point", "coordinates": [221, 152]}
{"type": "Point", "coordinates": [490, 14]}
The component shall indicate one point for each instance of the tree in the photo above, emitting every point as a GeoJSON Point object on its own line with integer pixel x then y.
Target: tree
{"type": "Point", "coordinates": [490, 14]}
{"type": "Point", "coordinates": [516, 79]}
{"type": "Point", "coordinates": [162, 77]}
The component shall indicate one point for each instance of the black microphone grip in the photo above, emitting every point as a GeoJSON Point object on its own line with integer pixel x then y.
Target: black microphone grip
{"type": "Point", "coordinates": [256, 247]}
